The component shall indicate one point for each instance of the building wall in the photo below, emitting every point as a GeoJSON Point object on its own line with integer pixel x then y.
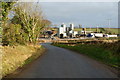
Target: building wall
{"type": "Point", "coordinates": [66, 31]}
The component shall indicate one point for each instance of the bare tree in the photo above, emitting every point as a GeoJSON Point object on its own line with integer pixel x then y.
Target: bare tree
{"type": "Point", "coordinates": [31, 18]}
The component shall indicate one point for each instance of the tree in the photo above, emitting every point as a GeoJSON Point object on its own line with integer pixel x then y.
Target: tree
{"type": "Point", "coordinates": [30, 17]}
{"type": "Point", "coordinates": [26, 24]}
{"type": "Point", "coordinates": [5, 8]}
{"type": "Point", "coordinates": [46, 22]}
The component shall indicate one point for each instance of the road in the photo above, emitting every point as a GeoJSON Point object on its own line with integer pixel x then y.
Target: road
{"type": "Point", "coordinates": [61, 63]}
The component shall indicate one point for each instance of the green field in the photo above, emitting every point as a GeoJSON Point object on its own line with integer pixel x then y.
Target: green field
{"type": "Point", "coordinates": [112, 30]}
{"type": "Point", "coordinates": [106, 53]}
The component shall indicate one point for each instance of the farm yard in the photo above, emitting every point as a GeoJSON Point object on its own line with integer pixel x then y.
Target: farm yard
{"type": "Point", "coordinates": [71, 31]}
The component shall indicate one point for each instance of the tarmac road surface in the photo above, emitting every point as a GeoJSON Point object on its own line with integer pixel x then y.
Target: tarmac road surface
{"type": "Point", "coordinates": [62, 63]}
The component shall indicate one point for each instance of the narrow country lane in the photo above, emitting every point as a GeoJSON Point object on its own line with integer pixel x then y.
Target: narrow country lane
{"type": "Point", "coordinates": [62, 63]}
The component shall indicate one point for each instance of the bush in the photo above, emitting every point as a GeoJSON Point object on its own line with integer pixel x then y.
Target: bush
{"type": "Point", "coordinates": [13, 34]}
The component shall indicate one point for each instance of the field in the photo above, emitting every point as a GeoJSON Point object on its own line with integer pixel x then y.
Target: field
{"type": "Point", "coordinates": [107, 53]}
{"type": "Point", "coordinates": [112, 30]}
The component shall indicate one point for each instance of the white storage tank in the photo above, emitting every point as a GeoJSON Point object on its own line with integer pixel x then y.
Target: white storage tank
{"type": "Point", "coordinates": [112, 35]}
{"type": "Point", "coordinates": [98, 35]}
{"type": "Point", "coordinates": [64, 27]}
{"type": "Point", "coordinates": [72, 26]}
{"type": "Point", "coordinates": [64, 35]}
{"type": "Point", "coordinates": [71, 32]}
{"type": "Point", "coordinates": [75, 32]}
{"type": "Point", "coordinates": [61, 30]}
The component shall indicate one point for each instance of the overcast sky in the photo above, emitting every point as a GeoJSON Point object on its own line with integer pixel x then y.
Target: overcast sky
{"type": "Point", "coordinates": [88, 14]}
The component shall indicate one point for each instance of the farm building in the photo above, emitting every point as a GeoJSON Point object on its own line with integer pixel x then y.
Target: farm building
{"type": "Point", "coordinates": [64, 31]}
{"type": "Point", "coordinates": [69, 32]}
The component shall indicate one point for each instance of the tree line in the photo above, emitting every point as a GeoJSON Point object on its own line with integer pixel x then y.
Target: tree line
{"type": "Point", "coordinates": [25, 25]}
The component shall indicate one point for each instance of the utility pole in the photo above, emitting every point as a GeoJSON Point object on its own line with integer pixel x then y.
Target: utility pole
{"type": "Point", "coordinates": [109, 23]}
{"type": "Point", "coordinates": [97, 29]}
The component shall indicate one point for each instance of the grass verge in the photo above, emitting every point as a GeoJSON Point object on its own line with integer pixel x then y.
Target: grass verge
{"type": "Point", "coordinates": [96, 51]}
{"type": "Point", "coordinates": [18, 56]}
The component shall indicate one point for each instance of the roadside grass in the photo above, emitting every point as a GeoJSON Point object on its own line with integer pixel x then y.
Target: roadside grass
{"type": "Point", "coordinates": [106, 55]}
{"type": "Point", "coordinates": [14, 57]}
{"type": "Point", "coordinates": [0, 39]}
{"type": "Point", "coordinates": [0, 30]}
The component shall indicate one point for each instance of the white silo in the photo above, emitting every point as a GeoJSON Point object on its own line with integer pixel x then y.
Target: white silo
{"type": "Point", "coordinates": [72, 26]}
{"type": "Point", "coordinates": [60, 31]}
{"type": "Point", "coordinates": [64, 27]}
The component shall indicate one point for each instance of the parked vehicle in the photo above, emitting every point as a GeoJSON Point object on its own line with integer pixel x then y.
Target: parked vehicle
{"type": "Point", "coordinates": [90, 35]}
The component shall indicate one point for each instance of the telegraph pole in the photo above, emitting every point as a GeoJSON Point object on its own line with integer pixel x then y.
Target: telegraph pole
{"type": "Point", "coordinates": [97, 29]}
{"type": "Point", "coordinates": [109, 23]}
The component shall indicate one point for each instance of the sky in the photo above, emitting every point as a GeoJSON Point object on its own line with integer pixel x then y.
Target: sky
{"type": "Point", "coordinates": [88, 14]}
{"type": "Point", "coordinates": [66, 0]}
